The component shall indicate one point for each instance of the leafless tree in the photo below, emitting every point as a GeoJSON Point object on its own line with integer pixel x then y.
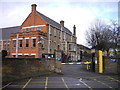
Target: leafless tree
{"type": "Point", "coordinates": [116, 35]}
{"type": "Point", "coordinates": [99, 36]}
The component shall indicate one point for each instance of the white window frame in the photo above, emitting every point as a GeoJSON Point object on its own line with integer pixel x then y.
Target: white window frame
{"type": "Point", "coordinates": [33, 54]}
{"type": "Point", "coordinates": [14, 44]}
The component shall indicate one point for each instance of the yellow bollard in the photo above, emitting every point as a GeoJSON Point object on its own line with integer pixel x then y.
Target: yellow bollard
{"type": "Point", "coordinates": [100, 61]}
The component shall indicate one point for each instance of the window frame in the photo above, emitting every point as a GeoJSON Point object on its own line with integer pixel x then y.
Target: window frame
{"type": "Point", "coordinates": [26, 40]}
{"type": "Point", "coordinates": [34, 43]}
{"type": "Point", "coordinates": [14, 43]}
{"type": "Point", "coordinates": [55, 30]}
{"type": "Point", "coordinates": [43, 44]}
{"type": "Point", "coordinates": [27, 29]}
{"type": "Point", "coordinates": [39, 28]}
{"type": "Point", "coordinates": [20, 44]}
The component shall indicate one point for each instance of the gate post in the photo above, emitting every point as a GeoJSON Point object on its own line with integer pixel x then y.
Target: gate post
{"type": "Point", "coordinates": [58, 57]}
{"type": "Point", "coordinates": [100, 58]}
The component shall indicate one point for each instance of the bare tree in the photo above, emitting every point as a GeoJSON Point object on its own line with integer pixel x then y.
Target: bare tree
{"type": "Point", "coordinates": [115, 29]}
{"type": "Point", "coordinates": [99, 36]}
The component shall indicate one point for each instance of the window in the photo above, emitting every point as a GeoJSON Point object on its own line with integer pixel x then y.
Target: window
{"type": "Point", "coordinates": [63, 47]}
{"type": "Point", "coordinates": [64, 36]}
{"type": "Point", "coordinates": [69, 46]}
{"type": "Point", "coordinates": [50, 30]}
{"type": "Point", "coordinates": [33, 43]}
{"type": "Point", "coordinates": [4, 45]}
{"type": "Point", "coordinates": [54, 32]}
{"type": "Point", "coordinates": [14, 43]}
{"type": "Point", "coordinates": [8, 45]}
{"type": "Point", "coordinates": [72, 47]}
{"type": "Point", "coordinates": [27, 29]}
{"type": "Point", "coordinates": [59, 34]}
{"type": "Point", "coordinates": [39, 28]}
{"type": "Point", "coordinates": [71, 38]}
{"type": "Point", "coordinates": [54, 45]}
{"type": "Point", "coordinates": [20, 43]}
{"type": "Point", "coordinates": [43, 43]}
{"type": "Point", "coordinates": [26, 43]}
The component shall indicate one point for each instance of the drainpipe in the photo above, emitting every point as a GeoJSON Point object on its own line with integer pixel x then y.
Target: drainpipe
{"type": "Point", "coordinates": [61, 37]}
{"type": "Point", "coordinates": [49, 38]}
{"type": "Point", "coordinates": [17, 46]}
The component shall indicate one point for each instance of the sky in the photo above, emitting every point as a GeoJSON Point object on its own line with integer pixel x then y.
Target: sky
{"type": "Point", "coordinates": [73, 12]}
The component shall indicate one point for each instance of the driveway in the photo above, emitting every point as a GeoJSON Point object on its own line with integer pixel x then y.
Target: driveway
{"type": "Point", "coordinates": [73, 78]}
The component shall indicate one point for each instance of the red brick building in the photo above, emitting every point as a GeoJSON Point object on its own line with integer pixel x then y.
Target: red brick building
{"type": "Point", "coordinates": [40, 34]}
{"type": "Point", "coordinates": [5, 37]}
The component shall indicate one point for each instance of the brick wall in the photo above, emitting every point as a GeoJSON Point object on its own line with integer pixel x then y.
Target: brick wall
{"type": "Point", "coordinates": [111, 67]}
{"type": "Point", "coordinates": [18, 68]}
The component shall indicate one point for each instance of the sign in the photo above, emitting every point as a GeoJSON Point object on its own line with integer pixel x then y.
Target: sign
{"type": "Point", "coordinates": [113, 60]}
{"type": "Point", "coordinates": [47, 55]}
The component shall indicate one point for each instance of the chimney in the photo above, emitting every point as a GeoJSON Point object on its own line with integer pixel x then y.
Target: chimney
{"type": "Point", "coordinates": [74, 30]}
{"type": "Point", "coordinates": [62, 23]}
{"type": "Point", "coordinates": [33, 7]}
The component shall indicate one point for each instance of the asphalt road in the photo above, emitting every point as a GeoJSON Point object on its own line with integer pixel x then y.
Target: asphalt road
{"type": "Point", "coordinates": [73, 78]}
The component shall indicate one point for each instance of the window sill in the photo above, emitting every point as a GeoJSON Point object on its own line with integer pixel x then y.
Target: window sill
{"type": "Point", "coordinates": [26, 47]}
{"type": "Point", "coordinates": [33, 47]}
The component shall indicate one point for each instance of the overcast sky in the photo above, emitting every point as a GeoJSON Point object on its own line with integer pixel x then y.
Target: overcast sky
{"type": "Point", "coordinates": [74, 12]}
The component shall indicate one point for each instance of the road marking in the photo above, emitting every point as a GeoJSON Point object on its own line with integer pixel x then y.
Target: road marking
{"type": "Point", "coordinates": [104, 84]}
{"type": "Point", "coordinates": [113, 79]}
{"type": "Point", "coordinates": [64, 83]}
{"type": "Point", "coordinates": [80, 80]}
{"type": "Point", "coordinates": [5, 85]}
{"type": "Point", "coordinates": [46, 83]}
{"type": "Point", "coordinates": [26, 83]}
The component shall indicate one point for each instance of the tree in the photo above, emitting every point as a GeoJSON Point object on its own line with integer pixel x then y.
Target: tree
{"type": "Point", "coordinates": [116, 36]}
{"type": "Point", "coordinates": [99, 36]}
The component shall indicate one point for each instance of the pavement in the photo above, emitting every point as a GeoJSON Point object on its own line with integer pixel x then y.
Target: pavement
{"type": "Point", "coordinates": [73, 77]}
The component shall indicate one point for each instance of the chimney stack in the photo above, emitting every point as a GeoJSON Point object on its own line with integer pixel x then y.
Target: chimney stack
{"type": "Point", "coordinates": [33, 7]}
{"type": "Point", "coordinates": [74, 30]}
{"type": "Point", "coordinates": [62, 23]}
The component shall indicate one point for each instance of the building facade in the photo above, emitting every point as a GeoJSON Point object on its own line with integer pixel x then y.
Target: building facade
{"type": "Point", "coordinates": [5, 37]}
{"type": "Point", "coordinates": [83, 53]}
{"type": "Point", "coordinates": [40, 34]}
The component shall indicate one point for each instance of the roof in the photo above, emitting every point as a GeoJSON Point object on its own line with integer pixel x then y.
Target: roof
{"type": "Point", "coordinates": [82, 46]}
{"type": "Point", "coordinates": [5, 32]}
{"type": "Point", "coordinates": [53, 23]}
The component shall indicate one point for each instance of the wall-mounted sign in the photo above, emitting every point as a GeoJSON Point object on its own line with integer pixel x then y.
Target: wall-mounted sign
{"type": "Point", "coordinates": [113, 60]}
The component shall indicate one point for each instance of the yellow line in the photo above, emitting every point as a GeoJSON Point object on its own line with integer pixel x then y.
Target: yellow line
{"type": "Point", "coordinates": [46, 83]}
{"type": "Point", "coordinates": [5, 85]}
{"type": "Point", "coordinates": [65, 83]}
{"type": "Point", "coordinates": [86, 84]}
{"type": "Point", "coordinates": [26, 83]}
{"type": "Point", "coordinates": [113, 79]}
{"type": "Point", "coordinates": [104, 84]}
